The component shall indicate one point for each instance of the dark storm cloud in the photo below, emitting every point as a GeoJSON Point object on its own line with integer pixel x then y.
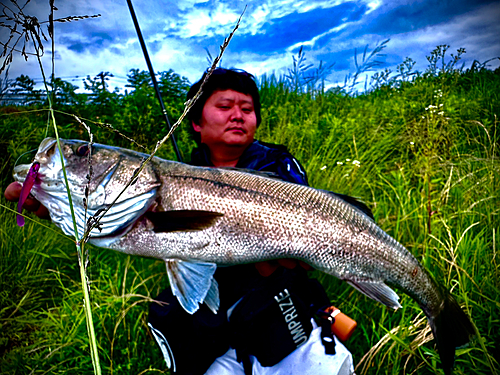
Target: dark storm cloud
{"type": "Point", "coordinates": [92, 42]}
{"type": "Point", "coordinates": [415, 29]}
{"type": "Point", "coordinates": [388, 21]}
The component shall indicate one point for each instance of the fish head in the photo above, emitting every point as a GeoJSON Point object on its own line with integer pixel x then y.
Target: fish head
{"type": "Point", "coordinates": [97, 177]}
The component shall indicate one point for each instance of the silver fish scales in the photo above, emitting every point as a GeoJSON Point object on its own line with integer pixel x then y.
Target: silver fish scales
{"type": "Point", "coordinates": [196, 218]}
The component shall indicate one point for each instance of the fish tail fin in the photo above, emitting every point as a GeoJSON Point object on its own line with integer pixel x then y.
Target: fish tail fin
{"type": "Point", "coordinates": [452, 329]}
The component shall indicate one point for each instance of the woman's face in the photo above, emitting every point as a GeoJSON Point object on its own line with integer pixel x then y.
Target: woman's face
{"type": "Point", "coordinates": [228, 119]}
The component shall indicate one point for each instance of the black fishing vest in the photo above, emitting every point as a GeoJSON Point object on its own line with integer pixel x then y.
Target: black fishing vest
{"type": "Point", "coordinates": [273, 314]}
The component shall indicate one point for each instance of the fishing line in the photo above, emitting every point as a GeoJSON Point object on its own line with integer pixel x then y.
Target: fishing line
{"type": "Point", "coordinates": [153, 78]}
{"type": "Point", "coordinates": [20, 156]}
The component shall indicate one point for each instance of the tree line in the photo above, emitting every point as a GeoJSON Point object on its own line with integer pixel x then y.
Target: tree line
{"type": "Point", "coordinates": [22, 91]}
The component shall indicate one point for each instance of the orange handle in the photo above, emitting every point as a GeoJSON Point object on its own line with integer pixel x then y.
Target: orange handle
{"type": "Point", "coordinates": [343, 327]}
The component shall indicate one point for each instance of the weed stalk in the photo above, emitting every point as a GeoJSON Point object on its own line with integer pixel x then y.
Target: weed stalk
{"type": "Point", "coordinates": [79, 248]}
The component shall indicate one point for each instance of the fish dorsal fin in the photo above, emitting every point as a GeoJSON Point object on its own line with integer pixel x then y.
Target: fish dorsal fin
{"type": "Point", "coordinates": [182, 220]}
{"type": "Point", "coordinates": [192, 283]}
{"type": "Point", "coordinates": [378, 291]}
{"type": "Point", "coordinates": [353, 202]}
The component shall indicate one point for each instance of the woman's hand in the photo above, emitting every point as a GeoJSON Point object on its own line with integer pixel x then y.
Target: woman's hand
{"type": "Point", "coordinates": [12, 194]}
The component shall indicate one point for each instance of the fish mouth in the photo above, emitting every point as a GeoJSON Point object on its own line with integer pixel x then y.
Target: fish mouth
{"type": "Point", "coordinates": [50, 189]}
{"type": "Point", "coordinates": [21, 171]}
{"type": "Point", "coordinates": [44, 157]}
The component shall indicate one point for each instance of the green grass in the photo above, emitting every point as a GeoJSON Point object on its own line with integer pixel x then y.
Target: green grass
{"type": "Point", "coordinates": [42, 320]}
{"type": "Point", "coordinates": [431, 176]}
{"type": "Point", "coordinates": [432, 180]}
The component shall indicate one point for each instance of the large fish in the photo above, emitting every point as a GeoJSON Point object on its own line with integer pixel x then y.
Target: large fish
{"type": "Point", "coordinates": [196, 219]}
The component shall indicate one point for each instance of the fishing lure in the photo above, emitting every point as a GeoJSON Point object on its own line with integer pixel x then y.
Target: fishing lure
{"type": "Point", "coordinates": [27, 186]}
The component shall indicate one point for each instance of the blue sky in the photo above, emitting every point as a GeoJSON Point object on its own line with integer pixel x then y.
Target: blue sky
{"type": "Point", "coordinates": [178, 33]}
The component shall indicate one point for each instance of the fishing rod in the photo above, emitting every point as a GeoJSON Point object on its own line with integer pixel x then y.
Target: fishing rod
{"type": "Point", "coordinates": [153, 77]}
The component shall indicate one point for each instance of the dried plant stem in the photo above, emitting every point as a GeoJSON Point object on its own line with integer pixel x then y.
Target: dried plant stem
{"type": "Point", "coordinates": [188, 105]}
{"type": "Point", "coordinates": [79, 247]}
{"type": "Point", "coordinates": [32, 33]}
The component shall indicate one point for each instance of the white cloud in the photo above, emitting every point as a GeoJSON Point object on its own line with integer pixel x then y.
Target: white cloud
{"type": "Point", "coordinates": [202, 23]}
{"type": "Point", "coordinates": [313, 41]}
{"type": "Point", "coordinates": [260, 14]}
{"type": "Point", "coordinates": [173, 29]}
{"type": "Point", "coordinates": [373, 5]}
{"type": "Point", "coordinates": [195, 23]}
{"type": "Point", "coordinates": [216, 21]}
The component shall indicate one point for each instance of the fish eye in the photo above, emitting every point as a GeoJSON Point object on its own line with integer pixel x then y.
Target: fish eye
{"type": "Point", "coordinates": [83, 150]}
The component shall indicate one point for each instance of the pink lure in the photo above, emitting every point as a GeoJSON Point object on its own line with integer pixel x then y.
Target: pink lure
{"type": "Point", "coordinates": [25, 191]}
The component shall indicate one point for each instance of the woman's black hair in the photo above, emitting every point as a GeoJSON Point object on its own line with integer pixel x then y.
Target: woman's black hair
{"type": "Point", "coordinates": [223, 79]}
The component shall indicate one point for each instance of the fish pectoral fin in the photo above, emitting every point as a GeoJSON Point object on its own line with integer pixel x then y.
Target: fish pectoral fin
{"type": "Point", "coordinates": [192, 283]}
{"type": "Point", "coordinates": [182, 220]}
{"type": "Point", "coordinates": [378, 291]}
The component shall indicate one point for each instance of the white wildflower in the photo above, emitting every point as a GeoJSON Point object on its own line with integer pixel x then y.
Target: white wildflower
{"type": "Point", "coordinates": [339, 163]}
{"type": "Point", "coordinates": [323, 168]}
{"type": "Point", "coordinates": [356, 163]}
